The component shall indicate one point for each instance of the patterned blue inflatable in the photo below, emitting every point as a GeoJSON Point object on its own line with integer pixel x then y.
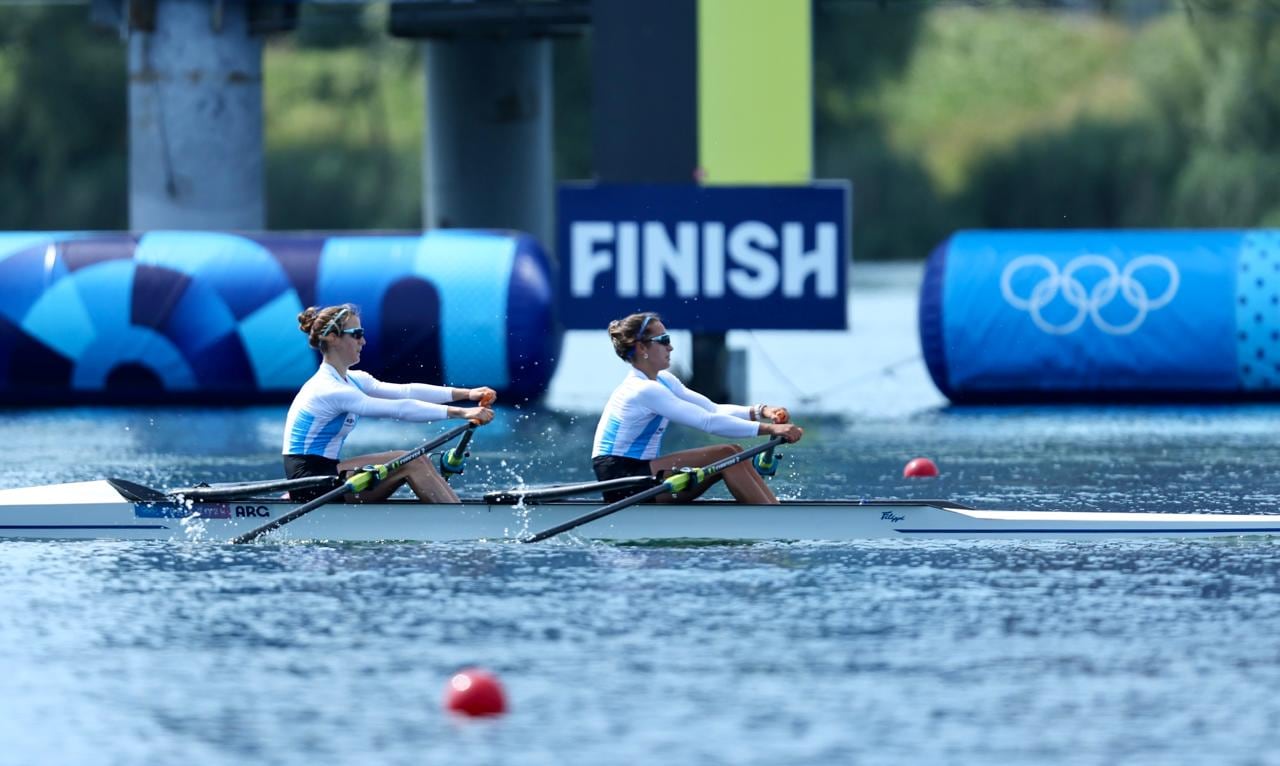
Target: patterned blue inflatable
{"type": "Point", "coordinates": [205, 316]}
{"type": "Point", "coordinates": [1047, 316]}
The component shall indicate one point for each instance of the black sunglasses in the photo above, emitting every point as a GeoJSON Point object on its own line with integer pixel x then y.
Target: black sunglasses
{"type": "Point", "coordinates": [355, 332]}
{"type": "Point", "coordinates": [664, 339]}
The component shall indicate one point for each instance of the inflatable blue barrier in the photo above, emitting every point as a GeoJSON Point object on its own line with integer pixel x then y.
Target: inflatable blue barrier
{"type": "Point", "coordinates": [1052, 316]}
{"type": "Point", "coordinates": [205, 316]}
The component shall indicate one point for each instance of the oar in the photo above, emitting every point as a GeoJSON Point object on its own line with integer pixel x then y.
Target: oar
{"type": "Point", "coordinates": [451, 460]}
{"type": "Point", "coordinates": [357, 483]}
{"type": "Point", "coordinates": [673, 484]}
{"type": "Point", "coordinates": [767, 463]}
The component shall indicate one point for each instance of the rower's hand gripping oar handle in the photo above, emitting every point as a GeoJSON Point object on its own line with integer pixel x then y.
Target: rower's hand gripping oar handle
{"type": "Point", "coordinates": [673, 484]}
{"type": "Point", "coordinates": [452, 460]}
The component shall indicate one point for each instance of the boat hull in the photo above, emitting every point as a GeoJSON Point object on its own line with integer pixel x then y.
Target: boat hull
{"type": "Point", "coordinates": [95, 510]}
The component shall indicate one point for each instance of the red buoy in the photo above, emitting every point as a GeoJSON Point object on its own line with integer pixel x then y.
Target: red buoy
{"type": "Point", "coordinates": [475, 692]}
{"type": "Point", "coordinates": [920, 467]}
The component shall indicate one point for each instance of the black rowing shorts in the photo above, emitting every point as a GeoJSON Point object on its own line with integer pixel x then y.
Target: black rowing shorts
{"type": "Point", "coordinates": [616, 467]}
{"type": "Point", "coordinates": [302, 466]}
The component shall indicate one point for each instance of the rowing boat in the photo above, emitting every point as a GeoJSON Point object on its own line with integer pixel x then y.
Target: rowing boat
{"type": "Point", "coordinates": [116, 509]}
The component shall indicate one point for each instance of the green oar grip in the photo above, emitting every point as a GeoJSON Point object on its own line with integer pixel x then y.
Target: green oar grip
{"type": "Point", "coordinates": [681, 481]}
{"type": "Point", "coordinates": [368, 476]}
{"type": "Point", "coordinates": [451, 460]}
{"type": "Point", "coordinates": [363, 480]}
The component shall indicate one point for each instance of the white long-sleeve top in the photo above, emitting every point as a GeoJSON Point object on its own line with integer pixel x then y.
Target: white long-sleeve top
{"type": "Point", "coordinates": [328, 406]}
{"type": "Point", "coordinates": [639, 410]}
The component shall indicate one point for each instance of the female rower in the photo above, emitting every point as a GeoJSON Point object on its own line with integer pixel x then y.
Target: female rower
{"type": "Point", "coordinates": [329, 404]}
{"type": "Point", "coordinates": [630, 431]}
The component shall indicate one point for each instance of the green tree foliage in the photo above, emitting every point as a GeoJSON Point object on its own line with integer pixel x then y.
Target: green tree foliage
{"type": "Point", "coordinates": [1231, 170]}
{"type": "Point", "coordinates": [63, 138]}
{"type": "Point", "coordinates": [343, 106]}
{"type": "Point", "coordinates": [1190, 141]}
{"type": "Point", "coordinates": [1013, 114]}
{"type": "Point", "coordinates": [344, 136]}
{"type": "Point", "coordinates": [857, 50]}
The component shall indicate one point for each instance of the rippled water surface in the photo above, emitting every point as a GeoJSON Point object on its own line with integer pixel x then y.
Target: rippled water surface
{"type": "Point", "coordinates": [902, 652]}
{"type": "Point", "coordinates": [1000, 652]}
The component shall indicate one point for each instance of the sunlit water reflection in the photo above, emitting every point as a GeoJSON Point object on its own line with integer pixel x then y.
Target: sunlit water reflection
{"type": "Point", "coordinates": [1154, 652]}
{"type": "Point", "coordinates": [903, 651]}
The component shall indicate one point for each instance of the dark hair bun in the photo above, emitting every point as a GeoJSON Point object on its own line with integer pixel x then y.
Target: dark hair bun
{"type": "Point", "coordinates": [307, 319]}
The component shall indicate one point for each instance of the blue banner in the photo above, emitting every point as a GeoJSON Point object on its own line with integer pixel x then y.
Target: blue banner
{"type": "Point", "coordinates": [705, 258]}
{"type": "Point", "coordinates": [169, 316]}
{"type": "Point", "coordinates": [1103, 315]}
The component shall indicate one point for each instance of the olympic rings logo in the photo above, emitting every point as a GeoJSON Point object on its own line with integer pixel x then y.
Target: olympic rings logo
{"type": "Point", "coordinates": [1088, 303]}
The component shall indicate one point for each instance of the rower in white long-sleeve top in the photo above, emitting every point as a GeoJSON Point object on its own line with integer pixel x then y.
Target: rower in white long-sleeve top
{"type": "Point", "coordinates": [628, 437]}
{"type": "Point", "coordinates": [334, 399]}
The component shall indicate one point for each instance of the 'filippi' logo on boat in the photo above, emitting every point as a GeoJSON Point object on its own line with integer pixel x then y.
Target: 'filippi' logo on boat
{"type": "Point", "coordinates": [182, 510]}
{"type": "Point", "coordinates": [890, 516]}
{"type": "Point", "coordinates": [704, 258]}
{"type": "Point", "coordinates": [1083, 302]}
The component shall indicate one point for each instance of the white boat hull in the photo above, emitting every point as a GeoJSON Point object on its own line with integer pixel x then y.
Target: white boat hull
{"type": "Point", "coordinates": [96, 510]}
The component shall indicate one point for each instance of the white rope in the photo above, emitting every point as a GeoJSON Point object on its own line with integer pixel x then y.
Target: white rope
{"type": "Point", "coordinates": [807, 399]}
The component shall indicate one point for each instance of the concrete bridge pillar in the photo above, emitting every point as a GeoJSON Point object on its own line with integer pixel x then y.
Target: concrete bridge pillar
{"type": "Point", "coordinates": [195, 118]}
{"type": "Point", "coordinates": [488, 144]}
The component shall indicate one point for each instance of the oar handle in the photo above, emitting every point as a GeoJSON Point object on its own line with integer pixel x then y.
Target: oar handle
{"type": "Point", "coordinates": [451, 460]}
{"type": "Point", "coordinates": [766, 463]}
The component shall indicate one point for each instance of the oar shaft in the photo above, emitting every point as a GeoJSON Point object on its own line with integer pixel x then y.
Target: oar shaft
{"type": "Point", "coordinates": [301, 510]}
{"type": "Point", "coordinates": [613, 507]}
{"type": "Point", "coordinates": [357, 483]}
{"type": "Point", "coordinates": [738, 457]}
{"type": "Point", "coordinates": [672, 484]}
